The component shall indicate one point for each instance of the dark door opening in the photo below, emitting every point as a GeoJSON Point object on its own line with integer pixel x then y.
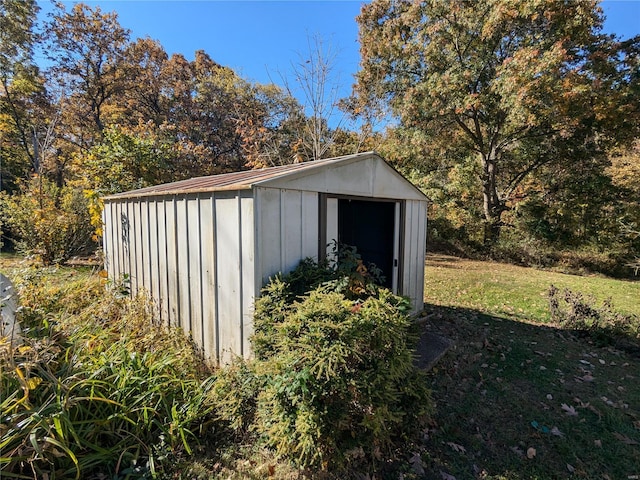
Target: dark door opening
{"type": "Point", "coordinates": [369, 226]}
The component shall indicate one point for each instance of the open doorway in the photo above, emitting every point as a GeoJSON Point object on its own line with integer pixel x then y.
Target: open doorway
{"type": "Point", "coordinates": [372, 226]}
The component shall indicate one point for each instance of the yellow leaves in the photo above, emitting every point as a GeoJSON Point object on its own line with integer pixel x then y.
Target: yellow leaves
{"type": "Point", "coordinates": [33, 382]}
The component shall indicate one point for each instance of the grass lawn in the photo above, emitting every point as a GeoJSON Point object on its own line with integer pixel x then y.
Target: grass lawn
{"type": "Point", "coordinates": [516, 292]}
{"type": "Point", "coordinates": [518, 398]}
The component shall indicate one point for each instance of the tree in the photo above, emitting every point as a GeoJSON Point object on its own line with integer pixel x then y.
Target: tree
{"type": "Point", "coordinates": [20, 89]}
{"type": "Point", "coordinates": [144, 99]}
{"type": "Point", "coordinates": [316, 83]}
{"type": "Point", "coordinates": [514, 86]}
{"type": "Point", "coordinates": [87, 50]}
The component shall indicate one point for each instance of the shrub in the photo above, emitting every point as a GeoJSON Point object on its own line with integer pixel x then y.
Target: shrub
{"type": "Point", "coordinates": [340, 387]}
{"type": "Point", "coordinates": [50, 222]}
{"type": "Point", "coordinates": [105, 391]}
{"type": "Point", "coordinates": [234, 393]}
{"type": "Point", "coordinates": [574, 311]}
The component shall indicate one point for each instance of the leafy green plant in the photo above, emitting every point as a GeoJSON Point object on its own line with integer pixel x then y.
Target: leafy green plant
{"type": "Point", "coordinates": [50, 222]}
{"type": "Point", "coordinates": [340, 387]}
{"type": "Point", "coordinates": [102, 391]}
{"type": "Point", "coordinates": [575, 311]}
{"type": "Point", "coordinates": [234, 394]}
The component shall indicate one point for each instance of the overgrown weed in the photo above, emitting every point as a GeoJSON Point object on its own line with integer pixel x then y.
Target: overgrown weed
{"type": "Point", "coordinates": [576, 311]}
{"type": "Point", "coordinates": [97, 387]}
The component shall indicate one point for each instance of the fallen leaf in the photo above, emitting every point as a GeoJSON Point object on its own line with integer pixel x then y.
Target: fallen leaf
{"type": "Point", "coordinates": [531, 453]}
{"type": "Point", "coordinates": [624, 439]}
{"type": "Point", "coordinates": [457, 448]}
{"type": "Point", "coordinates": [570, 468]}
{"type": "Point", "coordinates": [607, 401]}
{"type": "Point", "coordinates": [598, 443]}
{"type": "Point", "coordinates": [569, 410]}
{"type": "Point", "coordinates": [446, 476]}
{"type": "Point", "coordinates": [517, 451]}
{"type": "Point", "coordinates": [556, 432]}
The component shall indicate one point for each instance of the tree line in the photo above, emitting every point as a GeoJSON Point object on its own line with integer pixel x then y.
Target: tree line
{"type": "Point", "coordinates": [520, 121]}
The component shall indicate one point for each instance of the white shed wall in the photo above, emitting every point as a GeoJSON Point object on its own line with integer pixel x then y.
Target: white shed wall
{"type": "Point", "coordinates": [414, 251]}
{"type": "Point", "coordinates": [287, 224]}
{"type": "Point", "coordinates": [194, 254]}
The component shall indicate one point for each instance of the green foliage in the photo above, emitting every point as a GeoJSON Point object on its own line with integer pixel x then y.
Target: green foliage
{"type": "Point", "coordinates": [50, 222]}
{"type": "Point", "coordinates": [499, 83]}
{"type": "Point", "coordinates": [574, 311]}
{"type": "Point", "coordinates": [104, 391]}
{"type": "Point", "coordinates": [345, 273]}
{"type": "Point", "coordinates": [340, 387]}
{"type": "Point", "coordinates": [126, 160]}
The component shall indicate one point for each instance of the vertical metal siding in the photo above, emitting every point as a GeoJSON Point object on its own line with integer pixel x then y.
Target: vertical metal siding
{"type": "Point", "coordinates": [332, 225]}
{"type": "Point", "coordinates": [414, 252]}
{"type": "Point", "coordinates": [229, 287]}
{"type": "Point", "coordinates": [422, 244]}
{"type": "Point", "coordinates": [407, 261]}
{"type": "Point", "coordinates": [140, 252]}
{"type": "Point", "coordinates": [147, 279]}
{"type": "Point", "coordinates": [163, 260]}
{"type": "Point", "coordinates": [195, 268]}
{"type": "Point", "coordinates": [309, 237]}
{"type": "Point", "coordinates": [182, 264]}
{"type": "Point", "coordinates": [154, 264]}
{"type": "Point", "coordinates": [118, 252]}
{"type": "Point", "coordinates": [208, 279]}
{"type": "Point", "coordinates": [269, 233]}
{"type": "Point", "coordinates": [106, 237]}
{"type": "Point", "coordinates": [287, 230]}
{"type": "Point", "coordinates": [125, 254]}
{"type": "Point", "coordinates": [291, 229]}
{"type": "Point", "coordinates": [247, 254]}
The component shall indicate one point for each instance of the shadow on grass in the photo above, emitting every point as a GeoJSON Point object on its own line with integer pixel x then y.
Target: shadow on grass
{"type": "Point", "coordinates": [523, 401]}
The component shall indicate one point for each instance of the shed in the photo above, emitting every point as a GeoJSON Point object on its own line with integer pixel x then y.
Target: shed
{"type": "Point", "coordinates": [204, 247]}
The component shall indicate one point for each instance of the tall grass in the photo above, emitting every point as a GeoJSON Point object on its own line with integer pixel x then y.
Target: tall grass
{"type": "Point", "coordinates": [96, 387]}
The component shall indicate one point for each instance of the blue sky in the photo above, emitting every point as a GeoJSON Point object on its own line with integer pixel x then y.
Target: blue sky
{"type": "Point", "coordinates": [261, 39]}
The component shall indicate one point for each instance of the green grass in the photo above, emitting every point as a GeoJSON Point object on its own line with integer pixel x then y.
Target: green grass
{"type": "Point", "coordinates": [500, 391]}
{"type": "Point", "coordinates": [516, 292]}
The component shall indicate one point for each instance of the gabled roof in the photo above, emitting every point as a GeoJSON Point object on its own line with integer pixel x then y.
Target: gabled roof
{"type": "Point", "coordinates": [246, 180]}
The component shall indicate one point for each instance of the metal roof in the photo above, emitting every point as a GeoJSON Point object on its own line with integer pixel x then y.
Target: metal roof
{"type": "Point", "coordinates": [244, 180]}
{"type": "Point", "coordinates": [231, 181]}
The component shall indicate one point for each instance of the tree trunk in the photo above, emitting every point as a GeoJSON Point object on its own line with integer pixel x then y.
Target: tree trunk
{"type": "Point", "coordinates": [492, 205]}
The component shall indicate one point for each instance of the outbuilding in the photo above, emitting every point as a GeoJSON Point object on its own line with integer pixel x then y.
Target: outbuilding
{"type": "Point", "coordinates": [203, 248]}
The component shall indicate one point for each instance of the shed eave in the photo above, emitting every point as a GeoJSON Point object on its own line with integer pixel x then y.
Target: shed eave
{"type": "Point", "coordinates": [186, 191]}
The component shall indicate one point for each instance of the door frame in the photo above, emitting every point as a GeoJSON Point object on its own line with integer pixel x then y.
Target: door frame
{"type": "Point", "coordinates": [324, 209]}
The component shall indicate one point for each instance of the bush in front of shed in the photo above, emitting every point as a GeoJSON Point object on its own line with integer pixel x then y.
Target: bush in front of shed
{"type": "Point", "coordinates": [340, 388]}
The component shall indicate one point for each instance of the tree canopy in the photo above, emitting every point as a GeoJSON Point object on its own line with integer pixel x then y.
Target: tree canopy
{"type": "Point", "coordinates": [509, 86]}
